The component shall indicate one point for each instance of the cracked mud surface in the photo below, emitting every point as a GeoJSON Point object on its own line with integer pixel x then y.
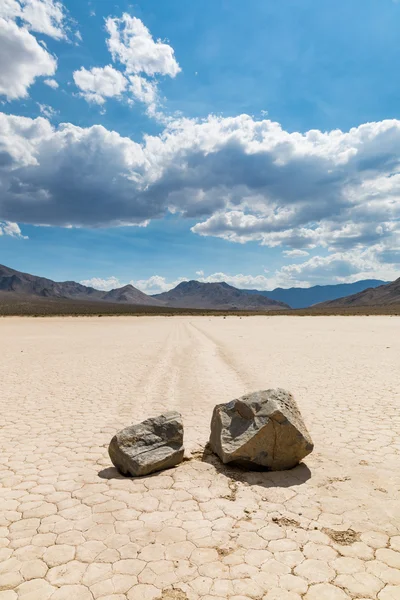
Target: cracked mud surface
{"type": "Point", "coordinates": [72, 528]}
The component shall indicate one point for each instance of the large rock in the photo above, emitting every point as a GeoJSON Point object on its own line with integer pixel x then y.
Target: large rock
{"type": "Point", "coordinates": [153, 445]}
{"type": "Point", "coordinates": [263, 429]}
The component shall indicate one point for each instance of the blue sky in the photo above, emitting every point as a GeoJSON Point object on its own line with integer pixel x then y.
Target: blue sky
{"type": "Point", "coordinates": [157, 141]}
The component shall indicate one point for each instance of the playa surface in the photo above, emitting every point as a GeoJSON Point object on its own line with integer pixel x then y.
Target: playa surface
{"type": "Point", "coordinates": [72, 528]}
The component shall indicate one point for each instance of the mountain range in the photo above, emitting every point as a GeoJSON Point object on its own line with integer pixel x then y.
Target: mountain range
{"type": "Point", "coordinates": [200, 295]}
{"type": "Point", "coordinates": [221, 296]}
{"type": "Point", "coordinates": [305, 297]}
{"type": "Point", "coordinates": [384, 295]}
{"type": "Point", "coordinates": [31, 285]}
{"type": "Point", "coordinates": [189, 294]}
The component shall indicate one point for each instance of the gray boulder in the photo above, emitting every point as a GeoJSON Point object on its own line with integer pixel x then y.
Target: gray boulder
{"type": "Point", "coordinates": [153, 445]}
{"type": "Point", "coordinates": [260, 430]}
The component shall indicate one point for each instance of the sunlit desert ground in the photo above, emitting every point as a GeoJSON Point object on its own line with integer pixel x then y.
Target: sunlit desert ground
{"type": "Point", "coordinates": [72, 529]}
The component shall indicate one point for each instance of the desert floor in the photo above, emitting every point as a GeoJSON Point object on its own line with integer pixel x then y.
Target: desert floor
{"type": "Point", "coordinates": [72, 529]}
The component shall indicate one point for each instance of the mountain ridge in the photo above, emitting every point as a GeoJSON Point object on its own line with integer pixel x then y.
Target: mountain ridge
{"type": "Point", "coordinates": [201, 295]}
{"type": "Point", "coordinates": [128, 294]}
{"type": "Point", "coordinates": [383, 295]}
{"type": "Point", "coordinates": [218, 295]}
{"type": "Point", "coordinates": [300, 297]}
{"type": "Point", "coordinates": [26, 284]}
{"type": "Point", "coordinates": [223, 296]}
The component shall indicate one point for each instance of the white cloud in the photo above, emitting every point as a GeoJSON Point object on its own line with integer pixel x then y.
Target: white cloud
{"type": "Point", "coordinates": [241, 281]}
{"type": "Point", "coordinates": [145, 91]}
{"type": "Point", "coordinates": [131, 43]}
{"type": "Point", "coordinates": [44, 16]}
{"type": "Point", "coordinates": [102, 284]}
{"type": "Point", "coordinates": [344, 267]}
{"type": "Point", "coordinates": [47, 110]}
{"type": "Point", "coordinates": [19, 138]}
{"type": "Point", "coordinates": [10, 9]}
{"type": "Point", "coordinates": [100, 83]}
{"type": "Point", "coordinates": [295, 253]}
{"type": "Point", "coordinates": [340, 267]}
{"type": "Point", "coordinates": [41, 16]}
{"type": "Point", "coordinates": [153, 285]}
{"type": "Point", "coordinates": [22, 60]}
{"type": "Point", "coordinates": [11, 229]}
{"type": "Point", "coordinates": [241, 179]}
{"type": "Point", "coordinates": [156, 284]}
{"type": "Point", "coordinates": [51, 83]}
{"type": "Point", "coordinates": [22, 57]}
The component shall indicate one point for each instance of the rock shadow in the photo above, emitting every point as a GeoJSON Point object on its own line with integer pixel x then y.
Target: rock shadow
{"type": "Point", "coordinates": [111, 473]}
{"type": "Point", "coordinates": [268, 479]}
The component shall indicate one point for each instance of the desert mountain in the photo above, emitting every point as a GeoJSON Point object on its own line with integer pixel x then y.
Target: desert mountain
{"type": "Point", "coordinates": [24, 283]}
{"type": "Point", "coordinates": [31, 285]}
{"type": "Point", "coordinates": [218, 296]}
{"type": "Point", "coordinates": [190, 294]}
{"type": "Point", "coordinates": [304, 297]}
{"type": "Point", "coordinates": [383, 295]}
{"type": "Point", "coordinates": [130, 295]}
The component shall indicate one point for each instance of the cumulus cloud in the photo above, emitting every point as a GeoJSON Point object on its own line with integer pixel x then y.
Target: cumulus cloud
{"type": "Point", "coordinates": [142, 59]}
{"type": "Point", "coordinates": [22, 60]}
{"type": "Point", "coordinates": [343, 267]}
{"type": "Point", "coordinates": [100, 83]}
{"type": "Point", "coordinates": [102, 284]}
{"type": "Point", "coordinates": [241, 281]}
{"type": "Point", "coordinates": [69, 174]}
{"type": "Point", "coordinates": [11, 229]}
{"type": "Point", "coordinates": [295, 253]}
{"type": "Point", "coordinates": [144, 91]}
{"type": "Point", "coordinates": [47, 111]}
{"type": "Point", "coordinates": [241, 179]}
{"type": "Point", "coordinates": [131, 43]}
{"type": "Point", "coordinates": [339, 267]}
{"type": "Point", "coordinates": [10, 9]}
{"type": "Point", "coordinates": [153, 285]}
{"type": "Point", "coordinates": [156, 284]}
{"type": "Point", "coordinates": [44, 16]}
{"type": "Point", "coordinates": [51, 83]}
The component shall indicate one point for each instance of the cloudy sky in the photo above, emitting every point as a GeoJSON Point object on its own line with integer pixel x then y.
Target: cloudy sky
{"type": "Point", "coordinates": [256, 143]}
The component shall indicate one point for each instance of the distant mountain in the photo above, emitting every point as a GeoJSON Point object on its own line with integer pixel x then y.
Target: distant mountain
{"type": "Point", "coordinates": [217, 296]}
{"type": "Point", "coordinates": [195, 294]}
{"type": "Point", "coordinates": [130, 295]}
{"type": "Point", "coordinates": [383, 295]}
{"type": "Point", "coordinates": [24, 283]}
{"type": "Point", "coordinates": [31, 285]}
{"type": "Point", "coordinates": [304, 297]}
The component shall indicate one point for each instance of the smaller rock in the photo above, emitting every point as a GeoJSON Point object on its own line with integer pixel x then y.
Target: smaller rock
{"type": "Point", "coordinates": [153, 445]}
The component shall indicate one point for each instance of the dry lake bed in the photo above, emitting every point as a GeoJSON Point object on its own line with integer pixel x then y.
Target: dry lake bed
{"type": "Point", "coordinates": [71, 528]}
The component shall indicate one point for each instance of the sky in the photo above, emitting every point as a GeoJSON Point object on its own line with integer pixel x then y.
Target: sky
{"type": "Point", "coordinates": [255, 143]}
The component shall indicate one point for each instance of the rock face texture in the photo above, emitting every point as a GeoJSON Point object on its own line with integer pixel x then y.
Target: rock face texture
{"type": "Point", "coordinates": [153, 445]}
{"type": "Point", "coordinates": [262, 429]}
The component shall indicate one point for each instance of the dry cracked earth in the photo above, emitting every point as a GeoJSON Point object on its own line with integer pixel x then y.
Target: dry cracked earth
{"type": "Point", "coordinates": [72, 528]}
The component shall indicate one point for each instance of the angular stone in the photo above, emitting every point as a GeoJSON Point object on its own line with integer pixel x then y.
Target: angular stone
{"type": "Point", "coordinates": [153, 445]}
{"type": "Point", "coordinates": [263, 429]}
